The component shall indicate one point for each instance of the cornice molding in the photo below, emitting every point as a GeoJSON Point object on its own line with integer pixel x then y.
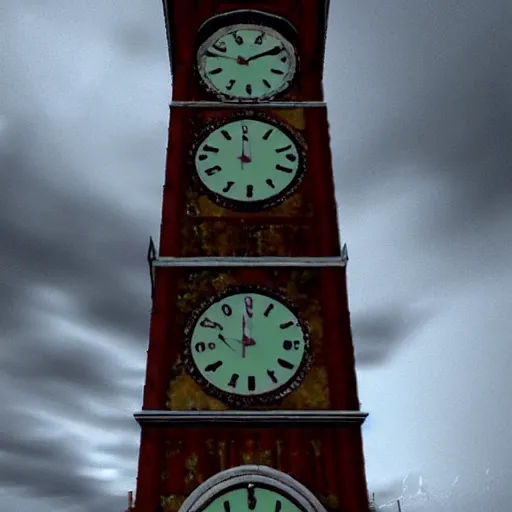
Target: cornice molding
{"type": "Point", "coordinates": [248, 104]}
{"type": "Point", "coordinates": [155, 261]}
{"type": "Point", "coordinates": [251, 419]}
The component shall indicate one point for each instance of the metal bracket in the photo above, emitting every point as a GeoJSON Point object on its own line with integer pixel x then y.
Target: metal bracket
{"type": "Point", "coordinates": [151, 258]}
{"type": "Point", "coordinates": [344, 253]}
{"type": "Point", "coordinates": [250, 419]}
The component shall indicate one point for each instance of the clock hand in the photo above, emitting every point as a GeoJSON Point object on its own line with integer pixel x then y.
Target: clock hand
{"type": "Point", "coordinates": [232, 339]}
{"type": "Point", "coordinates": [211, 54]}
{"type": "Point", "coordinates": [247, 341]}
{"type": "Point", "coordinates": [249, 327]}
{"type": "Point", "coordinates": [223, 339]}
{"type": "Point", "coordinates": [244, 159]}
{"type": "Point", "coordinates": [249, 152]}
{"type": "Point", "coordinates": [273, 51]}
{"type": "Point", "coordinates": [243, 336]}
{"type": "Point", "coordinates": [244, 137]}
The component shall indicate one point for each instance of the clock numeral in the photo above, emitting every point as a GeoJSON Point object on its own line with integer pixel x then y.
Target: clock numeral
{"type": "Point", "coordinates": [278, 506]}
{"type": "Point", "coordinates": [206, 322]}
{"type": "Point", "coordinates": [248, 306]}
{"type": "Point", "coordinates": [213, 367]}
{"type": "Point", "coordinates": [268, 310]}
{"type": "Point", "coordinates": [216, 71]}
{"type": "Point", "coordinates": [213, 170]}
{"type": "Point", "coordinates": [248, 89]}
{"type": "Point", "coordinates": [238, 39]}
{"type": "Point", "coordinates": [286, 148]}
{"type": "Point", "coordinates": [285, 364]}
{"type": "Point", "coordinates": [266, 83]}
{"type": "Point", "coordinates": [202, 157]}
{"type": "Point", "coordinates": [289, 344]}
{"type": "Point", "coordinates": [251, 383]}
{"type": "Point", "coordinates": [245, 131]}
{"type": "Point", "coordinates": [220, 46]}
{"type": "Point", "coordinates": [227, 310]}
{"type": "Point", "coordinates": [211, 149]}
{"type": "Point", "coordinates": [251, 498]}
{"type": "Point", "coordinates": [250, 190]}
{"type": "Point", "coordinates": [291, 157]}
{"type": "Point", "coordinates": [230, 85]}
{"type": "Point", "coordinates": [234, 379]}
{"type": "Point", "coordinates": [229, 184]}
{"type": "Point", "coordinates": [259, 39]}
{"type": "Point", "coordinates": [287, 170]}
{"type": "Point", "coordinates": [286, 325]}
{"type": "Point", "coordinates": [227, 506]}
{"type": "Point", "coordinates": [270, 183]}
{"type": "Point", "coordinates": [275, 71]}
{"type": "Point", "coordinates": [268, 134]}
{"type": "Point", "coordinates": [284, 59]}
{"type": "Point", "coordinates": [272, 375]}
{"type": "Point", "coordinates": [225, 134]}
{"type": "Point", "coordinates": [201, 346]}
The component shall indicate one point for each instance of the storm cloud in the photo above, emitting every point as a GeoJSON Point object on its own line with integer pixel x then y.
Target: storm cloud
{"type": "Point", "coordinates": [420, 107]}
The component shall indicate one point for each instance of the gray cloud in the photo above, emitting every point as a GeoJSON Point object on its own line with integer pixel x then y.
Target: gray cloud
{"type": "Point", "coordinates": [454, 124]}
{"type": "Point", "coordinates": [77, 259]}
{"type": "Point", "coordinates": [86, 248]}
{"type": "Point", "coordinates": [425, 100]}
{"type": "Point", "coordinates": [43, 467]}
{"type": "Point", "coordinates": [378, 333]}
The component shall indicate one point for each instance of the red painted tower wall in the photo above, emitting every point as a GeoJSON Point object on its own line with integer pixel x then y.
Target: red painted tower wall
{"type": "Point", "coordinates": [328, 461]}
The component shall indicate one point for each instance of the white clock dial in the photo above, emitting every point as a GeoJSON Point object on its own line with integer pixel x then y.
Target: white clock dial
{"type": "Point", "coordinates": [252, 498]}
{"type": "Point", "coordinates": [248, 344]}
{"type": "Point", "coordinates": [246, 62]}
{"type": "Point", "coordinates": [249, 164]}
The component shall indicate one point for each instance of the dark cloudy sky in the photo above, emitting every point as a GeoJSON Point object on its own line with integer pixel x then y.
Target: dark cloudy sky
{"type": "Point", "coordinates": [420, 101]}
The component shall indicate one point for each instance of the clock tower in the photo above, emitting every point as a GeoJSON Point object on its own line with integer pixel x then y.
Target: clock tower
{"type": "Point", "coordinates": [250, 401]}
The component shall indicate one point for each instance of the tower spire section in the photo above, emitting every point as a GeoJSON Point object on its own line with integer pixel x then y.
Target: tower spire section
{"type": "Point", "coordinates": [250, 395]}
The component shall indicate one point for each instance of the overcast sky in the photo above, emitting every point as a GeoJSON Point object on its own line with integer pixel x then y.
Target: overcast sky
{"type": "Point", "coordinates": [420, 101]}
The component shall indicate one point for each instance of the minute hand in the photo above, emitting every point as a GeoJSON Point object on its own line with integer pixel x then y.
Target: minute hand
{"type": "Point", "coordinates": [273, 51]}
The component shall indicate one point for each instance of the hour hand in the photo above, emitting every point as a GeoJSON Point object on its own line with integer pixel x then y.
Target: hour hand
{"type": "Point", "coordinates": [273, 51]}
{"type": "Point", "coordinates": [247, 340]}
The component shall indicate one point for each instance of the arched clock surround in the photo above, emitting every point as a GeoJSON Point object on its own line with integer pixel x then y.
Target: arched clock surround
{"type": "Point", "coordinates": [247, 16]}
{"type": "Point", "coordinates": [252, 474]}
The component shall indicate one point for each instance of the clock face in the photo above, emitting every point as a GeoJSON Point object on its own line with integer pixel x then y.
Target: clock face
{"type": "Point", "coordinates": [249, 164]}
{"type": "Point", "coordinates": [252, 497]}
{"type": "Point", "coordinates": [246, 62]}
{"type": "Point", "coordinates": [247, 346]}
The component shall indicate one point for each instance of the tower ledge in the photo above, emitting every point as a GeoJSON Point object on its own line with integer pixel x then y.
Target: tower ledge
{"type": "Point", "coordinates": [251, 419]}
